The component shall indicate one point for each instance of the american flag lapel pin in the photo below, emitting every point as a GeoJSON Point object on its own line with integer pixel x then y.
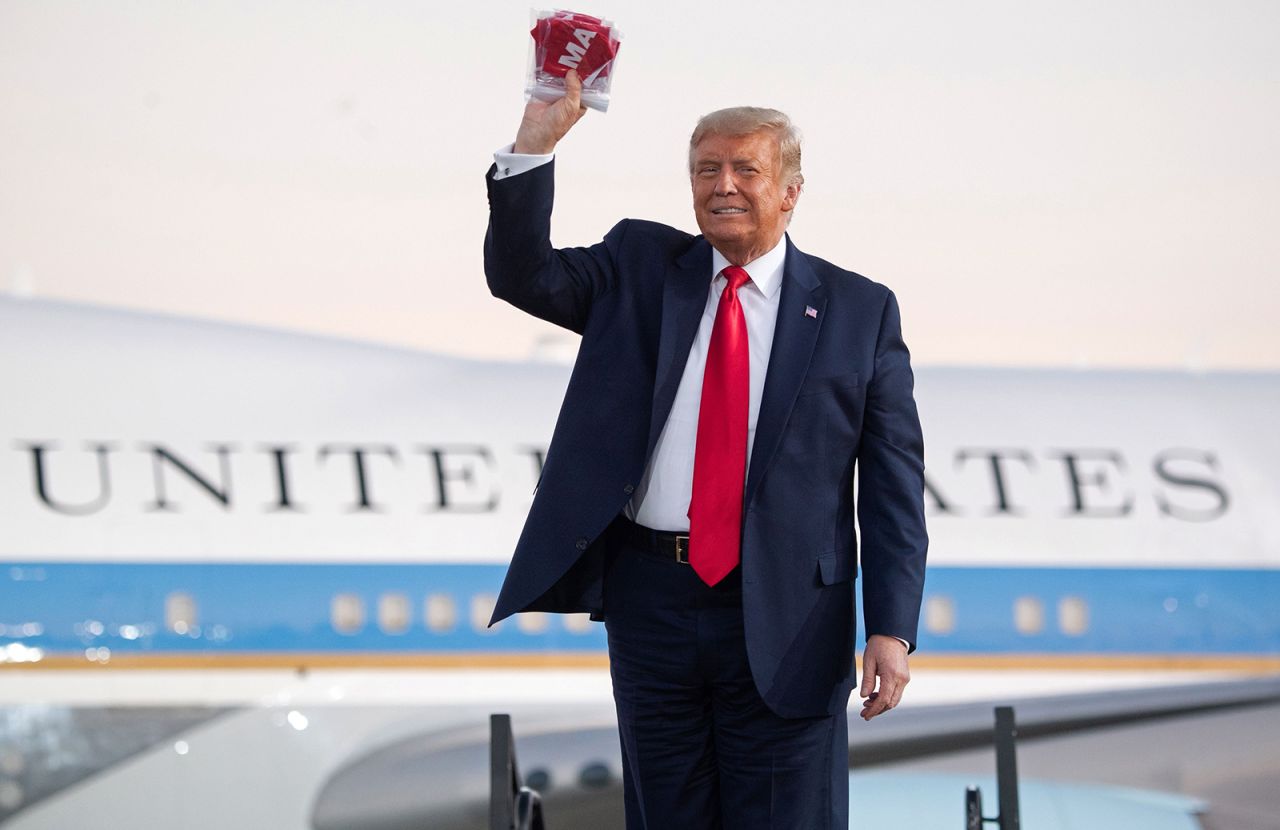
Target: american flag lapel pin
{"type": "Point", "coordinates": [810, 311]}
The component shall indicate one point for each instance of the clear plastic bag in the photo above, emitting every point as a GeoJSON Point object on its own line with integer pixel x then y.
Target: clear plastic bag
{"type": "Point", "coordinates": [564, 40]}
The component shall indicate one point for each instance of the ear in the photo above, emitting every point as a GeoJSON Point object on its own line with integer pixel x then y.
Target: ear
{"type": "Point", "coordinates": [792, 196]}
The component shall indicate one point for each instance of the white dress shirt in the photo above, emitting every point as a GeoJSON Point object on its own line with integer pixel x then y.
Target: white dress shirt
{"type": "Point", "coordinates": [511, 163]}
{"type": "Point", "coordinates": [661, 500]}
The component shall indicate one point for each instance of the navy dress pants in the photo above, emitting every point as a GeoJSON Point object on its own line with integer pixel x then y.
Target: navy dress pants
{"type": "Point", "coordinates": [700, 749]}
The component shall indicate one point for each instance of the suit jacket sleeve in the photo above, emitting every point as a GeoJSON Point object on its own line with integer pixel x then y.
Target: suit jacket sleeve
{"type": "Point", "coordinates": [521, 267]}
{"type": "Point", "coordinates": [891, 490]}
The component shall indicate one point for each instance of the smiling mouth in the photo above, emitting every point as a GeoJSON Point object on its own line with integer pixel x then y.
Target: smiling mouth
{"type": "Point", "coordinates": [729, 211]}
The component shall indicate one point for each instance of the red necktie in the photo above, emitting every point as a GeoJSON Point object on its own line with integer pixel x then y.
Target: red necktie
{"type": "Point", "coordinates": [720, 455]}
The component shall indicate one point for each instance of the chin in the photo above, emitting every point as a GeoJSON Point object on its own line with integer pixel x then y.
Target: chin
{"type": "Point", "coordinates": [726, 234]}
{"type": "Point", "coordinates": [722, 241]}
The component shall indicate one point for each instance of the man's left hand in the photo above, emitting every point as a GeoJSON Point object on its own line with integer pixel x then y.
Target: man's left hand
{"type": "Point", "coordinates": [884, 660]}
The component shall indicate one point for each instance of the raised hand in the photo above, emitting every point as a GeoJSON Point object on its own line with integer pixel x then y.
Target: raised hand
{"type": "Point", "coordinates": [544, 124]}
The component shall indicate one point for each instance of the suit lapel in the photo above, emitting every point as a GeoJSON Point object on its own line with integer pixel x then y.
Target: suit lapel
{"type": "Point", "coordinates": [684, 298]}
{"type": "Point", "coordinates": [793, 339]}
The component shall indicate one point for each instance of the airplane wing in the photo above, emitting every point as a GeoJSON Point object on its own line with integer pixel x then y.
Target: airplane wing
{"type": "Point", "coordinates": [939, 729]}
{"type": "Point", "coordinates": [408, 783]}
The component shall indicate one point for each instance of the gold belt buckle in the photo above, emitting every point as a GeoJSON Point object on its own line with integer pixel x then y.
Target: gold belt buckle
{"type": "Point", "coordinates": [682, 549]}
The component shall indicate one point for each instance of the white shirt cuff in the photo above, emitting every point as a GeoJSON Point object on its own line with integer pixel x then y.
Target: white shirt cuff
{"type": "Point", "coordinates": [513, 164]}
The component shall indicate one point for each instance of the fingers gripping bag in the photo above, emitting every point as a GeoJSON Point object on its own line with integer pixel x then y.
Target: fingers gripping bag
{"type": "Point", "coordinates": [564, 40]}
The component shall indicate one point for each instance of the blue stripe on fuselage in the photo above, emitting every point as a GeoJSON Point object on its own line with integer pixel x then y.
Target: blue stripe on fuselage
{"type": "Point", "coordinates": [247, 608]}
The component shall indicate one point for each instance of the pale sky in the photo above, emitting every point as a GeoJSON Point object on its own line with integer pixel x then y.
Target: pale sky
{"type": "Point", "coordinates": [1093, 182]}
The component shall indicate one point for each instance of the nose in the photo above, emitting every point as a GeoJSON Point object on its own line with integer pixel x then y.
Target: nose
{"type": "Point", "coordinates": [725, 184]}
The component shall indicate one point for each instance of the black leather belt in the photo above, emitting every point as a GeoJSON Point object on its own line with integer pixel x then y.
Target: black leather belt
{"type": "Point", "coordinates": [662, 544]}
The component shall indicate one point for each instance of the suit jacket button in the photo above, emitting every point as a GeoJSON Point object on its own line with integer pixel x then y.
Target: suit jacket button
{"type": "Point", "coordinates": [628, 489]}
{"type": "Point", "coordinates": [582, 543]}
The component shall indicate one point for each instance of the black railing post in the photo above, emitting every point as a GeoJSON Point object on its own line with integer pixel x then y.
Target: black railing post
{"type": "Point", "coordinates": [972, 808]}
{"type": "Point", "coordinates": [1009, 816]}
{"type": "Point", "coordinates": [504, 778]}
{"type": "Point", "coordinates": [1007, 769]}
{"type": "Point", "coordinates": [512, 806]}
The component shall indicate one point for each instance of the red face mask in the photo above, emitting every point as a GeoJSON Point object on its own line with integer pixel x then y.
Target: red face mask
{"type": "Point", "coordinates": [566, 40]}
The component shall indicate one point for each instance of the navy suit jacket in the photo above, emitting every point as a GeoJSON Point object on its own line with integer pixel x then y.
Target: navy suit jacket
{"type": "Point", "coordinates": [838, 393]}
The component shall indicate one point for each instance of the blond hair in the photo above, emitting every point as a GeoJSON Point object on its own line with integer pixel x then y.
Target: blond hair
{"type": "Point", "coordinates": [738, 121]}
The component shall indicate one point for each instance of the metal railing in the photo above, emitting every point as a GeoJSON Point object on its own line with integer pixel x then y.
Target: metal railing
{"type": "Point", "coordinates": [1009, 816]}
{"type": "Point", "coordinates": [512, 805]}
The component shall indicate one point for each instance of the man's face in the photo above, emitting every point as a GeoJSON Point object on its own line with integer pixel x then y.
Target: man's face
{"type": "Point", "coordinates": [739, 195]}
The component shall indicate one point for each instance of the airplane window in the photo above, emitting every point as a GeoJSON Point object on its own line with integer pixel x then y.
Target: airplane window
{"type": "Point", "coordinates": [346, 613]}
{"type": "Point", "coordinates": [532, 622]}
{"type": "Point", "coordinates": [577, 623]}
{"type": "Point", "coordinates": [538, 779]}
{"type": "Point", "coordinates": [939, 615]}
{"type": "Point", "coordinates": [393, 613]}
{"type": "Point", "coordinates": [180, 612]}
{"type": "Point", "coordinates": [441, 612]}
{"type": "Point", "coordinates": [481, 610]}
{"type": "Point", "coordinates": [1028, 615]}
{"type": "Point", "coordinates": [1073, 616]}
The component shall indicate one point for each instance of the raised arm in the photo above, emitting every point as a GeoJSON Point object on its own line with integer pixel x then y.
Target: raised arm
{"type": "Point", "coordinates": [520, 265]}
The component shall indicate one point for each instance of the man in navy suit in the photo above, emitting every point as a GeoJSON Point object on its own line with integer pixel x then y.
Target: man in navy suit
{"type": "Point", "coordinates": [697, 494]}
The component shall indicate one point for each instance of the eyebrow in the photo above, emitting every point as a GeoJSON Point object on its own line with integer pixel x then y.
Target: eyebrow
{"type": "Point", "coordinates": [747, 160]}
